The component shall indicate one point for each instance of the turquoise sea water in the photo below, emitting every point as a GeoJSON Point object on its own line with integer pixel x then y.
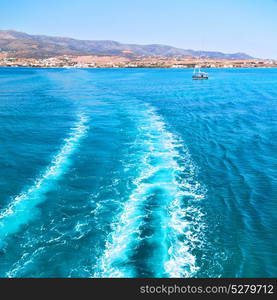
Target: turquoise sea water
{"type": "Point", "coordinates": [137, 173]}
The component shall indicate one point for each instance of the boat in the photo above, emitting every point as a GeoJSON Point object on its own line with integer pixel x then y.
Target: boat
{"type": "Point", "coordinates": [199, 74]}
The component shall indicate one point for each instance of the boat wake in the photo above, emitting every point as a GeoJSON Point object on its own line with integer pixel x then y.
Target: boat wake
{"type": "Point", "coordinates": [23, 207]}
{"type": "Point", "coordinates": [161, 221]}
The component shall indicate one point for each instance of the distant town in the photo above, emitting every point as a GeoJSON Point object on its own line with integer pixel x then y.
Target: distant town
{"type": "Point", "coordinates": [19, 49]}
{"type": "Point", "coordinates": [117, 61]}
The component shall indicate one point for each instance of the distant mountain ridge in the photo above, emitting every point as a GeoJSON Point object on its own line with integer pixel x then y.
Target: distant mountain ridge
{"type": "Point", "coordinates": [20, 44]}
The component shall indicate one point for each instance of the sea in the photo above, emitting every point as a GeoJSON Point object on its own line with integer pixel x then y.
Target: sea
{"type": "Point", "coordinates": [138, 173]}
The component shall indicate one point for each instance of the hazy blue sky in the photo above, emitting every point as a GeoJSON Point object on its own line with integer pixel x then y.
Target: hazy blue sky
{"type": "Point", "coordinates": [225, 25]}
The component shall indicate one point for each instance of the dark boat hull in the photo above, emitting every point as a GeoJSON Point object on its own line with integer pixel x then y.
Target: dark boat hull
{"type": "Point", "coordinates": [196, 77]}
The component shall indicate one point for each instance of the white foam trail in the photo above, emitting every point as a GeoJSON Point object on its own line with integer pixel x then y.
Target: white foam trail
{"type": "Point", "coordinates": [185, 217]}
{"type": "Point", "coordinates": [22, 207]}
{"type": "Point", "coordinates": [184, 233]}
{"type": "Point", "coordinates": [160, 154]}
{"type": "Point", "coordinates": [120, 239]}
{"type": "Point", "coordinates": [119, 242]}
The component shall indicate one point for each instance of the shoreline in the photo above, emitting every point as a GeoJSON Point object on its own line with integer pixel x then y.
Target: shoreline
{"type": "Point", "coordinates": [145, 67]}
{"type": "Point", "coordinates": [94, 62]}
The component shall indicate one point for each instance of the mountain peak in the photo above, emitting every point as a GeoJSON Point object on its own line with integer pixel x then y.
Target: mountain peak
{"type": "Point", "coordinates": [21, 44]}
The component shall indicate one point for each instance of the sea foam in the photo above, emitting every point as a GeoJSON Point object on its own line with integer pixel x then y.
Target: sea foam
{"type": "Point", "coordinates": [22, 208]}
{"type": "Point", "coordinates": [166, 165]}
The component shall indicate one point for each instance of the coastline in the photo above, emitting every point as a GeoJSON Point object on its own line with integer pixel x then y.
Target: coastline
{"type": "Point", "coordinates": [106, 61]}
{"type": "Point", "coordinates": [142, 67]}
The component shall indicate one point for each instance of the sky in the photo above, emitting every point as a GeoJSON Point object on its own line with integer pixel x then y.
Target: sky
{"type": "Point", "coordinates": [229, 26]}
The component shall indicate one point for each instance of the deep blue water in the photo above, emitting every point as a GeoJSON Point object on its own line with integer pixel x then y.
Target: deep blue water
{"type": "Point", "coordinates": [137, 173]}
